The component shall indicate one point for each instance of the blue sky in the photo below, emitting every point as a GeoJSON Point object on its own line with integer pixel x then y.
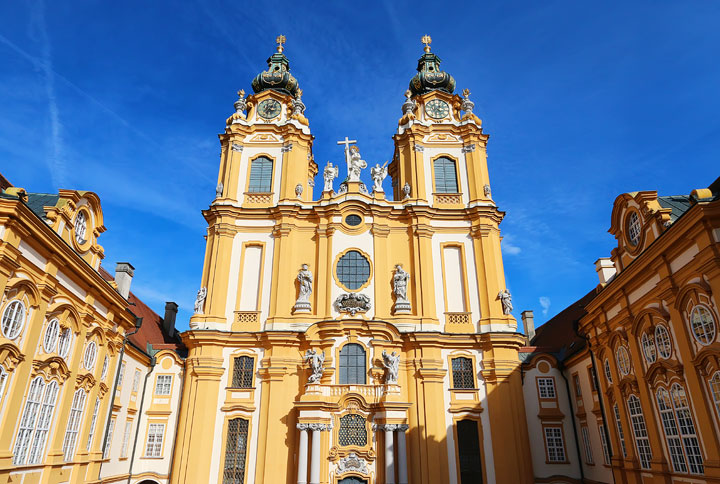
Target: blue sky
{"type": "Point", "coordinates": [582, 101]}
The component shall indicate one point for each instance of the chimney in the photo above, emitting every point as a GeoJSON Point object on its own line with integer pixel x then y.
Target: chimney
{"type": "Point", "coordinates": [168, 324]}
{"type": "Point", "coordinates": [124, 272]}
{"type": "Point", "coordinates": [605, 269]}
{"type": "Point", "coordinates": [528, 319]}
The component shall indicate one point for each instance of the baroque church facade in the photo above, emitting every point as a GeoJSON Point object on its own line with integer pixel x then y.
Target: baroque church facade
{"type": "Point", "coordinates": [362, 337]}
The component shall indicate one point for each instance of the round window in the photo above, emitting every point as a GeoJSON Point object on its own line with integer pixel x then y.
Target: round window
{"type": "Point", "coordinates": [13, 319]}
{"type": "Point", "coordinates": [662, 341]}
{"type": "Point", "coordinates": [633, 228]}
{"type": "Point", "coordinates": [64, 342]}
{"type": "Point", "coordinates": [623, 360]}
{"type": "Point", "coordinates": [353, 220]}
{"type": "Point", "coordinates": [353, 270]}
{"type": "Point", "coordinates": [703, 325]}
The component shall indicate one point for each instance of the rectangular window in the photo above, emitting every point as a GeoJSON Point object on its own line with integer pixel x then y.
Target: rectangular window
{"type": "Point", "coordinates": [242, 372]}
{"type": "Point", "coordinates": [554, 444]}
{"type": "Point", "coordinates": [260, 175]}
{"type": "Point", "coordinates": [546, 386]}
{"type": "Point", "coordinates": [621, 434]}
{"type": "Point", "coordinates": [576, 382]}
{"type": "Point", "coordinates": [136, 381]}
{"type": "Point", "coordinates": [586, 445]}
{"type": "Point", "coordinates": [469, 456]}
{"type": "Point", "coordinates": [73, 425]}
{"type": "Point", "coordinates": [454, 279]}
{"type": "Point", "coordinates": [126, 439]}
{"type": "Point", "coordinates": [121, 376]}
{"type": "Point", "coordinates": [93, 422]}
{"type": "Point", "coordinates": [235, 451]}
{"type": "Point", "coordinates": [108, 440]}
{"type": "Point", "coordinates": [445, 176]}
{"type": "Point", "coordinates": [463, 375]}
{"type": "Point", "coordinates": [251, 278]}
{"type": "Point", "coordinates": [604, 442]}
{"type": "Point", "coordinates": [593, 379]}
{"type": "Point", "coordinates": [153, 447]}
{"type": "Point", "coordinates": [640, 432]}
{"type": "Point", "coordinates": [163, 385]}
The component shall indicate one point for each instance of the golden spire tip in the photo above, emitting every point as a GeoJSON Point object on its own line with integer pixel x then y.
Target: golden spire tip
{"type": "Point", "coordinates": [280, 40]}
{"type": "Point", "coordinates": [427, 40]}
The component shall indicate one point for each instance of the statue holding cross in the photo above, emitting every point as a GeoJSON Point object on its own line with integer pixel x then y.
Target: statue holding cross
{"type": "Point", "coordinates": [354, 162]}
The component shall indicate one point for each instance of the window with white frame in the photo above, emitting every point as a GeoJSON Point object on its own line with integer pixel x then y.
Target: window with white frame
{"type": "Point", "coordinates": [93, 422]}
{"type": "Point", "coordinates": [80, 227]}
{"type": "Point", "coordinates": [604, 443]}
{"type": "Point", "coordinates": [3, 381]}
{"type": "Point", "coordinates": [576, 384]}
{"type": "Point", "coordinates": [121, 375]}
{"type": "Point", "coordinates": [623, 360]}
{"type": "Point", "coordinates": [64, 342]}
{"type": "Point", "coordinates": [633, 228]}
{"type": "Point", "coordinates": [163, 385]}
{"type": "Point", "coordinates": [703, 324]}
{"type": "Point", "coordinates": [242, 376]}
{"type": "Point", "coordinates": [35, 422]}
{"type": "Point", "coordinates": [608, 373]}
{"type": "Point", "coordinates": [546, 387]}
{"type": "Point", "coordinates": [648, 348]}
{"type": "Point", "coordinates": [52, 332]}
{"type": "Point", "coordinates": [680, 430]}
{"type": "Point", "coordinates": [153, 446]}
{"type": "Point", "coordinates": [73, 425]}
{"type": "Point", "coordinates": [554, 444]}
{"type": "Point", "coordinates": [13, 319]}
{"type": "Point", "coordinates": [445, 176]}
{"type": "Point", "coordinates": [586, 445]}
{"type": "Point", "coordinates": [136, 381]}
{"type": "Point", "coordinates": [125, 439]}
{"type": "Point", "coordinates": [714, 384]}
{"type": "Point", "coordinates": [261, 169]}
{"type": "Point", "coordinates": [621, 434]}
{"type": "Point", "coordinates": [108, 439]}
{"type": "Point", "coordinates": [106, 364]}
{"type": "Point", "coordinates": [642, 443]}
{"type": "Point", "coordinates": [672, 435]}
{"type": "Point", "coordinates": [235, 451]}
{"type": "Point", "coordinates": [663, 341]}
{"type": "Point", "coordinates": [90, 356]}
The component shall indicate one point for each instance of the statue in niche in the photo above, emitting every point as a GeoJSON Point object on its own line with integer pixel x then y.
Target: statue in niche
{"type": "Point", "coordinates": [298, 190]}
{"type": "Point", "coordinates": [329, 174]}
{"type": "Point", "coordinates": [378, 174]}
{"type": "Point", "coordinates": [406, 191]}
{"type": "Point", "coordinates": [506, 300]}
{"type": "Point", "coordinates": [316, 361]}
{"type": "Point", "coordinates": [391, 363]}
{"type": "Point", "coordinates": [400, 283]}
{"type": "Point", "coordinates": [200, 300]}
{"type": "Point", "coordinates": [305, 280]}
{"type": "Point", "coordinates": [355, 165]}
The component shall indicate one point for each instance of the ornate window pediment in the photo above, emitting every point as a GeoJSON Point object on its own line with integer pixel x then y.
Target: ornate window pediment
{"type": "Point", "coordinates": [51, 367]}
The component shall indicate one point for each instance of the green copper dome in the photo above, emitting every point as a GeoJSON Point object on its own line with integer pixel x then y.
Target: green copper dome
{"type": "Point", "coordinates": [429, 76]}
{"type": "Point", "coordinates": [277, 77]}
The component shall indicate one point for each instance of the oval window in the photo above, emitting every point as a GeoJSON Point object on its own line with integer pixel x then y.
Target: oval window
{"type": "Point", "coordinates": [353, 220]}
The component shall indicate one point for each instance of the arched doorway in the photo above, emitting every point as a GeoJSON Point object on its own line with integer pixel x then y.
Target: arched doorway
{"type": "Point", "coordinates": [352, 480]}
{"type": "Point", "coordinates": [147, 481]}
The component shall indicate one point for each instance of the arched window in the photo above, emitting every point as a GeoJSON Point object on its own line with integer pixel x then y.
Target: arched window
{"type": "Point", "coordinates": [633, 228]}
{"type": "Point", "coordinates": [73, 425]}
{"type": "Point", "coordinates": [35, 422]}
{"type": "Point", "coordinates": [663, 342]}
{"type": "Point", "coordinates": [260, 175]}
{"type": "Point", "coordinates": [242, 372]}
{"type": "Point", "coordinates": [90, 356]}
{"type": "Point", "coordinates": [642, 443]}
{"type": "Point", "coordinates": [648, 347]}
{"type": "Point", "coordinates": [445, 176]}
{"type": "Point", "coordinates": [13, 319]}
{"type": "Point", "coordinates": [623, 360]}
{"type": "Point", "coordinates": [679, 430]}
{"type": "Point", "coordinates": [93, 422]}
{"type": "Point", "coordinates": [703, 325]}
{"type": "Point", "coordinates": [103, 372]}
{"type": "Point", "coordinates": [352, 365]}
{"type": "Point", "coordinates": [51, 336]}
{"type": "Point", "coordinates": [463, 375]}
{"type": "Point", "coordinates": [80, 227]}
{"type": "Point", "coordinates": [235, 451]}
{"type": "Point", "coordinates": [3, 381]}
{"type": "Point", "coordinates": [608, 373]}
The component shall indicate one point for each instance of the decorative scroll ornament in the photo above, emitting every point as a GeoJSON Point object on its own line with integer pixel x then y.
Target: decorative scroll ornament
{"type": "Point", "coordinates": [316, 361]}
{"type": "Point", "coordinates": [352, 463]}
{"type": "Point", "coordinates": [329, 174]}
{"type": "Point", "coordinates": [353, 303]}
{"type": "Point", "coordinates": [400, 282]}
{"type": "Point", "coordinates": [506, 300]}
{"type": "Point", "coordinates": [378, 174]}
{"type": "Point", "coordinates": [391, 363]}
{"type": "Point", "coordinates": [305, 280]}
{"type": "Point", "coordinates": [200, 300]}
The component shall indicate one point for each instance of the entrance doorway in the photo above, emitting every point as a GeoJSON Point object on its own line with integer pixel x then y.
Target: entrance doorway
{"type": "Point", "coordinates": [352, 480]}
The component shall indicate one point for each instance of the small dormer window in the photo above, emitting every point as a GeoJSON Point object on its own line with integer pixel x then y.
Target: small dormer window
{"type": "Point", "coordinates": [80, 227]}
{"type": "Point", "coordinates": [633, 228]}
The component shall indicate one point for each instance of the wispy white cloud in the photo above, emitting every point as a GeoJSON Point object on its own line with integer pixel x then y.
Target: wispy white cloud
{"type": "Point", "coordinates": [508, 247]}
{"type": "Point", "coordinates": [545, 304]}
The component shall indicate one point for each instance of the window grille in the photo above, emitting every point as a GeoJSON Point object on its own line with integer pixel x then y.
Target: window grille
{"type": "Point", "coordinates": [103, 373]}
{"type": "Point", "coordinates": [37, 448]}
{"type": "Point", "coordinates": [353, 270]}
{"type": "Point", "coordinates": [353, 220]}
{"type": "Point", "coordinates": [604, 443]}
{"type": "Point", "coordinates": [469, 456]}
{"type": "Point", "coordinates": [352, 430]}
{"type": "Point", "coordinates": [35, 422]}
{"type": "Point", "coordinates": [73, 425]}
{"type": "Point", "coordinates": [463, 373]}
{"type": "Point", "coordinates": [445, 176]}
{"type": "Point", "coordinates": [108, 439]}
{"type": "Point", "coordinates": [163, 385]}
{"type": "Point", "coordinates": [554, 444]}
{"type": "Point", "coordinates": [680, 430]}
{"type": "Point", "coordinates": [93, 422]}
{"type": "Point", "coordinates": [640, 432]}
{"type": "Point", "coordinates": [714, 383]}
{"type": "Point", "coordinates": [90, 356]}
{"type": "Point", "coordinates": [662, 341]}
{"type": "Point", "coordinates": [243, 367]}
{"type": "Point", "coordinates": [703, 325]}
{"type": "Point", "coordinates": [633, 228]}
{"type": "Point", "coordinates": [136, 381]}
{"type": "Point", "coordinates": [3, 381]}
{"type": "Point", "coordinates": [623, 360]}
{"type": "Point", "coordinates": [352, 365]}
{"type": "Point", "coordinates": [648, 347]}
{"type": "Point", "coordinates": [13, 319]}
{"type": "Point", "coordinates": [121, 376]}
{"type": "Point", "coordinates": [260, 175]}
{"type": "Point", "coordinates": [546, 387]}
{"type": "Point", "coordinates": [586, 445]}
{"type": "Point", "coordinates": [235, 452]}
{"type": "Point", "coordinates": [51, 336]}
{"type": "Point", "coordinates": [621, 434]}
{"type": "Point", "coordinates": [126, 439]}
{"type": "Point", "coordinates": [80, 227]}
{"type": "Point", "coordinates": [608, 373]}
{"type": "Point", "coordinates": [153, 446]}
{"type": "Point", "coordinates": [64, 342]}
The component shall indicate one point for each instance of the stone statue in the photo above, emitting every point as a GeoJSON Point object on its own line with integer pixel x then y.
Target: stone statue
{"type": "Point", "coordinates": [200, 300]}
{"type": "Point", "coordinates": [378, 174]}
{"type": "Point", "coordinates": [391, 363]}
{"type": "Point", "coordinates": [406, 191]}
{"type": "Point", "coordinates": [305, 278]}
{"type": "Point", "coordinates": [298, 190]}
{"type": "Point", "coordinates": [400, 282]}
{"type": "Point", "coordinates": [506, 300]}
{"type": "Point", "coordinates": [408, 108]}
{"type": "Point", "coordinates": [316, 361]}
{"type": "Point", "coordinates": [218, 190]}
{"type": "Point", "coordinates": [240, 107]}
{"type": "Point", "coordinates": [487, 191]}
{"type": "Point", "coordinates": [329, 174]}
{"type": "Point", "coordinates": [356, 164]}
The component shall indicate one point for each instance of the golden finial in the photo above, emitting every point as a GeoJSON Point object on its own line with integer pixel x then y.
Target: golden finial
{"type": "Point", "coordinates": [427, 40]}
{"type": "Point", "coordinates": [299, 94]}
{"type": "Point", "coordinates": [466, 92]}
{"type": "Point", "coordinates": [280, 41]}
{"type": "Point", "coordinates": [241, 93]}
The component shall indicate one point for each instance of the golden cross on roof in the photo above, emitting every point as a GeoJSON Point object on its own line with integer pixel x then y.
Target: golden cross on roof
{"type": "Point", "coordinates": [427, 40]}
{"type": "Point", "coordinates": [280, 41]}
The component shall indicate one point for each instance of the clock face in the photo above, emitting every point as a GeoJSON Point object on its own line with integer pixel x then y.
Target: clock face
{"type": "Point", "coordinates": [437, 109]}
{"type": "Point", "coordinates": [269, 108]}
